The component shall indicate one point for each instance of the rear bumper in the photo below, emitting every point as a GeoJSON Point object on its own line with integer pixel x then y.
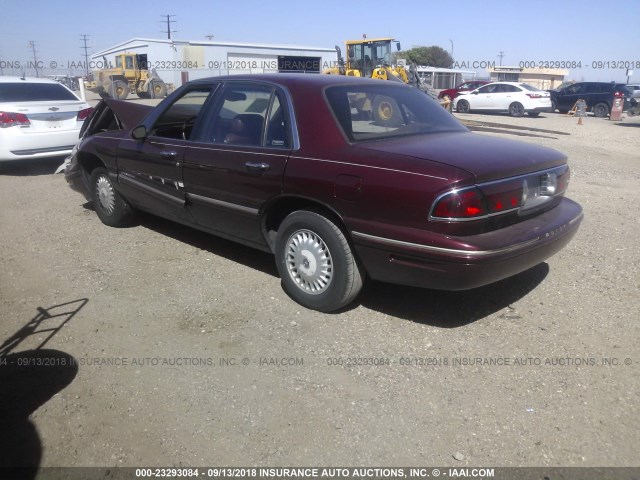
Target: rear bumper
{"type": "Point", "coordinates": [15, 145]}
{"type": "Point", "coordinates": [489, 257]}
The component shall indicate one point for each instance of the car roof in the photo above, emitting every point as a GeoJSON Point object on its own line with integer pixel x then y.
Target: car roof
{"type": "Point", "coordinates": [292, 79]}
{"type": "Point", "coordinates": [16, 79]}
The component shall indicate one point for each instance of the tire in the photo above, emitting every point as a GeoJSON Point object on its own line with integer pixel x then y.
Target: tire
{"type": "Point", "coordinates": [110, 207]}
{"type": "Point", "coordinates": [463, 106]}
{"type": "Point", "coordinates": [386, 112]}
{"type": "Point", "coordinates": [157, 89]}
{"type": "Point", "coordinates": [516, 109]}
{"type": "Point", "coordinates": [119, 90]}
{"type": "Point", "coordinates": [316, 265]}
{"type": "Point", "coordinates": [600, 110]}
{"type": "Point", "coordinates": [533, 114]}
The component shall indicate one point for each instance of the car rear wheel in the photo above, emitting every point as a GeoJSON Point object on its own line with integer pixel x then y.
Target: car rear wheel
{"type": "Point", "coordinates": [463, 106]}
{"type": "Point", "coordinates": [316, 265]}
{"type": "Point", "coordinates": [110, 207]}
{"type": "Point", "coordinates": [516, 109]}
{"type": "Point", "coordinates": [601, 110]}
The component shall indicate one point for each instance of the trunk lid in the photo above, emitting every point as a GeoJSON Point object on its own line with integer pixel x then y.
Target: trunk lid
{"type": "Point", "coordinates": [486, 158]}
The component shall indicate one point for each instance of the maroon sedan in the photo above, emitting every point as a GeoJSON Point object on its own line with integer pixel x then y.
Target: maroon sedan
{"type": "Point", "coordinates": [341, 178]}
{"type": "Point", "coordinates": [451, 93]}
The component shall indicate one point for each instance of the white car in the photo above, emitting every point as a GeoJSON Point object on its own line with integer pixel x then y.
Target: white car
{"type": "Point", "coordinates": [39, 117]}
{"type": "Point", "coordinates": [515, 98]}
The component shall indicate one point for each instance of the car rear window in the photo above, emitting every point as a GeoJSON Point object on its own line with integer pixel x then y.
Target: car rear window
{"type": "Point", "coordinates": [34, 92]}
{"type": "Point", "coordinates": [373, 112]}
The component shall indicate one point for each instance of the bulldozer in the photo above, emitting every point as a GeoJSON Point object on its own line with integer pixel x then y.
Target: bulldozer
{"type": "Point", "coordinates": [130, 75]}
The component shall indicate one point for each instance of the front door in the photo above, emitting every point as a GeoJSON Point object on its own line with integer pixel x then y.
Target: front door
{"type": "Point", "coordinates": [150, 169]}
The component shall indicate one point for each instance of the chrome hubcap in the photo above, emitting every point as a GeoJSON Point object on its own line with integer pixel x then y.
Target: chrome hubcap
{"type": "Point", "coordinates": [309, 262]}
{"type": "Point", "coordinates": [106, 195]}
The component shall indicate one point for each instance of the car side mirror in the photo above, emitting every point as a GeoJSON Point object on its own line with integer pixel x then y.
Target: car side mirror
{"type": "Point", "coordinates": [139, 133]}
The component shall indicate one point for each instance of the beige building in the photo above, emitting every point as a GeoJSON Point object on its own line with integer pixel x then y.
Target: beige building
{"type": "Point", "coordinates": [543, 78]}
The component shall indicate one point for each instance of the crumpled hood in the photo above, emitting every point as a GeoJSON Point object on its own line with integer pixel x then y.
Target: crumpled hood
{"type": "Point", "coordinates": [129, 113]}
{"type": "Point", "coordinates": [487, 158]}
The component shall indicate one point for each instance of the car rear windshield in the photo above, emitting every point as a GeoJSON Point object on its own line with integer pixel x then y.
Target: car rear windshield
{"type": "Point", "coordinates": [373, 112]}
{"type": "Point", "coordinates": [34, 92]}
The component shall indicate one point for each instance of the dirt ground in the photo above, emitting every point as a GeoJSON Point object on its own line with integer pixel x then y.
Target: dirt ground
{"type": "Point", "coordinates": [158, 345]}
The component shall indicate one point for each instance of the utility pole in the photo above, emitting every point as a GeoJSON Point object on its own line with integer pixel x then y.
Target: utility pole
{"type": "Point", "coordinates": [209, 37]}
{"type": "Point", "coordinates": [501, 54]}
{"type": "Point", "coordinates": [84, 38]}
{"type": "Point", "coordinates": [32, 46]}
{"type": "Point", "coordinates": [169, 22]}
{"type": "Point", "coordinates": [451, 48]}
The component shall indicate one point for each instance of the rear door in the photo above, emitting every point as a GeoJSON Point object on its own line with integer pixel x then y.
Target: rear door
{"type": "Point", "coordinates": [240, 160]}
{"type": "Point", "coordinates": [568, 97]}
{"type": "Point", "coordinates": [150, 170]}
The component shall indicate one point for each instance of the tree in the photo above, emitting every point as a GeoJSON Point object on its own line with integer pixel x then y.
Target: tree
{"type": "Point", "coordinates": [433, 56]}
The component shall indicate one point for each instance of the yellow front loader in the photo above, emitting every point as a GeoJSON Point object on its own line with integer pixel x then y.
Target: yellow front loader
{"type": "Point", "coordinates": [130, 75]}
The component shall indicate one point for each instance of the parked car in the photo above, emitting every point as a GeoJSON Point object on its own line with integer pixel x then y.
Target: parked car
{"type": "Point", "coordinates": [597, 95]}
{"type": "Point", "coordinates": [635, 90]}
{"type": "Point", "coordinates": [512, 97]}
{"type": "Point", "coordinates": [451, 93]}
{"type": "Point", "coordinates": [341, 178]}
{"type": "Point", "coordinates": [38, 118]}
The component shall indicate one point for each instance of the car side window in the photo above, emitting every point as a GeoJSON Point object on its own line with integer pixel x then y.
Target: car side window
{"type": "Point", "coordinates": [277, 130]}
{"type": "Point", "coordinates": [575, 88]}
{"type": "Point", "coordinates": [487, 89]}
{"type": "Point", "coordinates": [239, 117]}
{"type": "Point", "coordinates": [179, 119]}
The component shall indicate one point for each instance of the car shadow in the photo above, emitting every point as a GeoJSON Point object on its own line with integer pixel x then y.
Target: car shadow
{"type": "Point", "coordinates": [29, 379]}
{"type": "Point", "coordinates": [27, 168]}
{"type": "Point", "coordinates": [636, 125]}
{"type": "Point", "coordinates": [430, 307]}
{"type": "Point", "coordinates": [238, 253]}
{"type": "Point", "coordinates": [451, 309]}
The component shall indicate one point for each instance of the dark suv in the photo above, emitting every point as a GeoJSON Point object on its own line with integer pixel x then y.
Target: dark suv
{"type": "Point", "coordinates": [598, 95]}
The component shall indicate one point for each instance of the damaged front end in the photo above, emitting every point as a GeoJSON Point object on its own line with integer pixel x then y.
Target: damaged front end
{"type": "Point", "coordinates": [108, 117]}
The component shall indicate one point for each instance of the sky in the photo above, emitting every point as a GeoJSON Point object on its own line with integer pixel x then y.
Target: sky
{"type": "Point", "coordinates": [603, 37]}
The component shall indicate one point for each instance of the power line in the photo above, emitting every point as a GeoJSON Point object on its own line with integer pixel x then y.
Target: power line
{"type": "Point", "coordinates": [84, 38]}
{"type": "Point", "coordinates": [32, 46]}
{"type": "Point", "coordinates": [169, 22]}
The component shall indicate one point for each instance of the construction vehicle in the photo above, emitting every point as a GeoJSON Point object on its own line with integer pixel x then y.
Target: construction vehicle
{"type": "Point", "coordinates": [372, 58]}
{"type": "Point", "coordinates": [130, 75]}
{"type": "Point", "coordinates": [369, 58]}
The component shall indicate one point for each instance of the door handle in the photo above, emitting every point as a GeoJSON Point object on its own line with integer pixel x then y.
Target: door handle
{"type": "Point", "coordinates": [168, 154]}
{"type": "Point", "coordinates": [257, 167]}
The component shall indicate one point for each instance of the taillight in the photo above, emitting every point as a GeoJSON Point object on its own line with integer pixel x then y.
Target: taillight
{"type": "Point", "coordinates": [462, 204]}
{"type": "Point", "coordinates": [521, 193]}
{"type": "Point", "coordinates": [10, 119]}
{"type": "Point", "coordinates": [503, 196]}
{"type": "Point", "coordinates": [84, 114]}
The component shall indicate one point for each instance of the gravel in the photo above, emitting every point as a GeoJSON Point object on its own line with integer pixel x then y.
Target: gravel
{"type": "Point", "coordinates": [177, 340]}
